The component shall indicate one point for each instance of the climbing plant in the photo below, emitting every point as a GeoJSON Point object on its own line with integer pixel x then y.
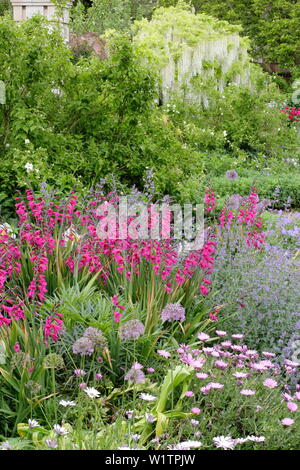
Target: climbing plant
{"type": "Point", "coordinates": [273, 27]}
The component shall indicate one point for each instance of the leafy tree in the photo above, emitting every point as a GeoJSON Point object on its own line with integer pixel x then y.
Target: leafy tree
{"type": "Point", "coordinates": [110, 14]}
{"type": "Point", "coordinates": [273, 26]}
{"type": "Point", "coordinates": [72, 124]}
{"type": "Point", "coordinates": [4, 6]}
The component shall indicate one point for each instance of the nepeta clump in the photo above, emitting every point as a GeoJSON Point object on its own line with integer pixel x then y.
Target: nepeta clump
{"type": "Point", "coordinates": [262, 289]}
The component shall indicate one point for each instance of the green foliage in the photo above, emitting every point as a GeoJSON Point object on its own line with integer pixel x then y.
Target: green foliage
{"type": "Point", "coordinates": [75, 123]}
{"type": "Point", "coordinates": [4, 6]}
{"type": "Point", "coordinates": [272, 26]}
{"type": "Point", "coordinates": [283, 188]}
{"type": "Point", "coordinates": [109, 14]}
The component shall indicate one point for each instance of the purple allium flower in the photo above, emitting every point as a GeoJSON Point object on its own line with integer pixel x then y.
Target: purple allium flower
{"type": "Point", "coordinates": [131, 330]}
{"type": "Point", "coordinates": [232, 175]}
{"type": "Point", "coordinates": [173, 312]}
{"type": "Point", "coordinates": [83, 346]}
{"type": "Point", "coordinates": [96, 337]}
{"type": "Point", "coordinates": [135, 375]}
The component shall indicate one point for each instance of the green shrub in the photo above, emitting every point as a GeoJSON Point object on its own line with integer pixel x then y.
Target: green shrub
{"type": "Point", "coordinates": [282, 189]}
{"type": "Point", "coordinates": [109, 14]}
{"type": "Point", "coordinates": [239, 121]}
{"type": "Point", "coordinates": [4, 6]}
{"type": "Point", "coordinates": [271, 26]}
{"type": "Point", "coordinates": [73, 124]}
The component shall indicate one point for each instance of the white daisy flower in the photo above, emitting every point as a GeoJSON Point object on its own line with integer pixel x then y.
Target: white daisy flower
{"type": "Point", "coordinates": [147, 397]}
{"type": "Point", "coordinates": [32, 423]}
{"type": "Point", "coordinates": [186, 445]}
{"type": "Point", "coordinates": [66, 403]}
{"type": "Point", "coordinates": [224, 442]}
{"type": "Point", "coordinates": [92, 392]}
{"type": "Point", "coordinates": [60, 430]}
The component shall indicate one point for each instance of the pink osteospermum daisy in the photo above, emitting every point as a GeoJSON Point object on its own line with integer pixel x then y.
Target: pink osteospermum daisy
{"type": "Point", "coordinates": [237, 336]}
{"type": "Point", "coordinates": [247, 392]}
{"type": "Point", "coordinates": [203, 336]}
{"type": "Point", "coordinates": [221, 365]}
{"type": "Point", "coordinates": [215, 385]}
{"type": "Point", "coordinates": [221, 333]}
{"type": "Point", "coordinates": [201, 375]}
{"type": "Point", "coordinates": [240, 375]}
{"type": "Point", "coordinates": [270, 383]}
{"type": "Point", "coordinates": [79, 372]}
{"type": "Point", "coordinates": [287, 421]}
{"type": "Point", "coordinates": [163, 353]}
{"type": "Point", "coordinates": [226, 344]}
{"type": "Point", "coordinates": [292, 406]}
{"type": "Point", "coordinates": [268, 354]}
